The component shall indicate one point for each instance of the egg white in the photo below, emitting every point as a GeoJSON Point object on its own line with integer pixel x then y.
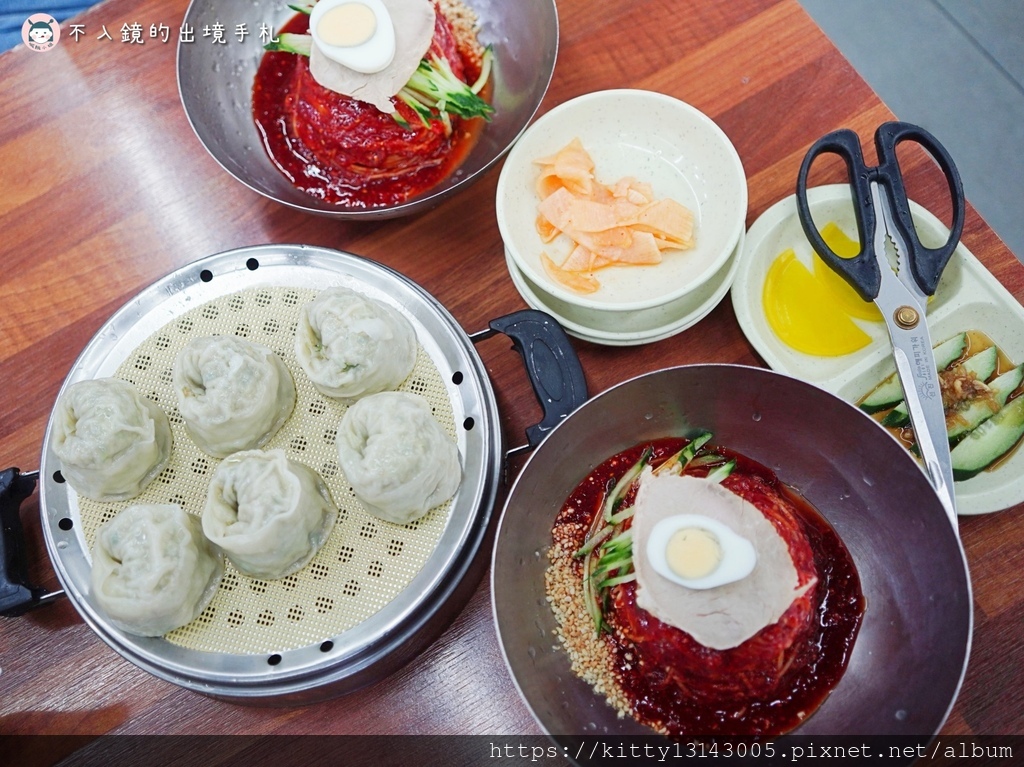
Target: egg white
{"type": "Point", "coordinates": [368, 57]}
{"type": "Point", "coordinates": [738, 554]}
{"type": "Point", "coordinates": [413, 22]}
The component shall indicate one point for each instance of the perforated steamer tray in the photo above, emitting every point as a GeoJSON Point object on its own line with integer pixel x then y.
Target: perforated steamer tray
{"type": "Point", "coordinates": [368, 600]}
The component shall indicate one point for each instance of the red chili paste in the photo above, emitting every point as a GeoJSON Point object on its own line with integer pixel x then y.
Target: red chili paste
{"type": "Point", "coordinates": [777, 678]}
{"type": "Point", "coordinates": [346, 151]}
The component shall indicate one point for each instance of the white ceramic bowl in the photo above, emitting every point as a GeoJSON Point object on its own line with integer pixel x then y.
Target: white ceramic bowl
{"type": "Point", "coordinates": [630, 328]}
{"type": "Point", "coordinates": [654, 138]}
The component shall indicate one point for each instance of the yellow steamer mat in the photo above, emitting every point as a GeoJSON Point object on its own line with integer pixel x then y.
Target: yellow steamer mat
{"type": "Point", "coordinates": [365, 563]}
{"type": "Point", "coordinates": [377, 592]}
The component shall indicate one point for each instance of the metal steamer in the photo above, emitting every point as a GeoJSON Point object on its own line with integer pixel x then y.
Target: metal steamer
{"type": "Point", "coordinates": [331, 662]}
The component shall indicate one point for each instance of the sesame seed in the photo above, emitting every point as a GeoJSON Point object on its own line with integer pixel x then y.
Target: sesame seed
{"type": "Point", "coordinates": [465, 24]}
{"type": "Point", "coordinates": [590, 655]}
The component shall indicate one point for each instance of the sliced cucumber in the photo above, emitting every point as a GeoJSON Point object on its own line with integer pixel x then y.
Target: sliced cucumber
{"type": "Point", "coordinates": [889, 392]}
{"type": "Point", "coordinates": [980, 410]}
{"type": "Point", "coordinates": [289, 42]}
{"type": "Point", "coordinates": [982, 365]}
{"type": "Point", "coordinates": [989, 442]}
{"type": "Point", "coordinates": [721, 472]}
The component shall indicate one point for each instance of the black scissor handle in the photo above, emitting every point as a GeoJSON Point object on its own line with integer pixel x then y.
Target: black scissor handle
{"type": "Point", "coordinates": [860, 271]}
{"type": "Point", "coordinates": [926, 264]}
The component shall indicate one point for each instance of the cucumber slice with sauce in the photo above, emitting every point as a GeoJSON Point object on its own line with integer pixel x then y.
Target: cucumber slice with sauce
{"type": "Point", "coordinates": [980, 410]}
{"type": "Point", "coordinates": [982, 365]}
{"type": "Point", "coordinates": [989, 442]}
{"type": "Point", "coordinates": [889, 392]}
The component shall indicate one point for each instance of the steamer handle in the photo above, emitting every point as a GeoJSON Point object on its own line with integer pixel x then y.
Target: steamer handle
{"type": "Point", "coordinates": [551, 362]}
{"type": "Point", "coordinates": [16, 595]}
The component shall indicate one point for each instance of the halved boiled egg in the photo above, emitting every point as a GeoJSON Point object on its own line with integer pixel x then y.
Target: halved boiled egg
{"type": "Point", "coordinates": [355, 55]}
{"type": "Point", "coordinates": [699, 552]}
{"type": "Point", "coordinates": [358, 34]}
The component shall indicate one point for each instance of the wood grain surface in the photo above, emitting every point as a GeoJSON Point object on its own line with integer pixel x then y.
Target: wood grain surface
{"type": "Point", "coordinates": [104, 188]}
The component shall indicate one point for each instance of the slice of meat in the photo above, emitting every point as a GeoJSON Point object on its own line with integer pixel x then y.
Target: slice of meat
{"type": "Point", "coordinates": [414, 22]}
{"type": "Point", "coordinates": [726, 616]}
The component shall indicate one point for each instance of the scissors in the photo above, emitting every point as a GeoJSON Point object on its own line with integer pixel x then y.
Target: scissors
{"type": "Point", "coordinates": [883, 213]}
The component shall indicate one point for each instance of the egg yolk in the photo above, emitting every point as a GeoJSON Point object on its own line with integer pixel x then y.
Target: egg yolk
{"type": "Point", "coordinates": [812, 311]}
{"type": "Point", "coordinates": [347, 25]}
{"type": "Point", "coordinates": [693, 553]}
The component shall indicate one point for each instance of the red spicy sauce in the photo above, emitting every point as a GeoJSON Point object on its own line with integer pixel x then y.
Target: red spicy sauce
{"type": "Point", "coordinates": [772, 682]}
{"type": "Point", "coordinates": [346, 151]}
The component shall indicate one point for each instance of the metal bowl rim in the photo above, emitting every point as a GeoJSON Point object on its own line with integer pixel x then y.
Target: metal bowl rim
{"type": "Point", "coordinates": [500, 532]}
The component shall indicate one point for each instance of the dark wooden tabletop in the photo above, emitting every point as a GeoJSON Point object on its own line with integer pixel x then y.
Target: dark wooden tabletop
{"type": "Point", "coordinates": [104, 188]}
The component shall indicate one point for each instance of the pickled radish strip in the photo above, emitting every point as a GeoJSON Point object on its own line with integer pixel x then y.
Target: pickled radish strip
{"type": "Point", "coordinates": [576, 281]}
{"type": "Point", "coordinates": [620, 224]}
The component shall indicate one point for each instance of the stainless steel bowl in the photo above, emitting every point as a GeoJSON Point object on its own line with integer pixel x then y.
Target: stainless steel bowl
{"type": "Point", "coordinates": [215, 83]}
{"type": "Point", "coordinates": [911, 653]}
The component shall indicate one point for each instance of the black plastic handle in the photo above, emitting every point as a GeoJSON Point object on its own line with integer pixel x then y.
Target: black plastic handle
{"type": "Point", "coordinates": [551, 362]}
{"type": "Point", "coordinates": [16, 595]}
{"type": "Point", "coordinates": [861, 271]}
{"type": "Point", "coordinates": [926, 264]}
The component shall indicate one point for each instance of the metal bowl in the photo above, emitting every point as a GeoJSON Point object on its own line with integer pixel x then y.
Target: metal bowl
{"type": "Point", "coordinates": [215, 83]}
{"type": "Point", "coordinates": [911, 653]}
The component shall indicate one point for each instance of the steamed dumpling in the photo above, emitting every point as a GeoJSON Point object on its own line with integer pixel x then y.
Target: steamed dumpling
{"type": "Point", "coordinates": [153, 570]}
{"type": "Point", "coordinates": [351, 345]}
{"type": "Point", "coordinates": [269, 514]}
{"type": "Point", "coordinates": [397, 457]}
{"type": "Point", "coordinates": [111, 440]}
{"type": "Point", "coordinates": [233, 394]}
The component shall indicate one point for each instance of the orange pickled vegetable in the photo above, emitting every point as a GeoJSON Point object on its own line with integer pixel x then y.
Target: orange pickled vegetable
{"type": "Point", "coordinates": [610, 225]}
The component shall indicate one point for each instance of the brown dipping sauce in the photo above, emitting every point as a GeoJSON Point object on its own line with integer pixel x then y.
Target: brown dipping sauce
{"type": "Point", "coordinates": [348, 152]}
{"type": "Point", "coordinates": [772, 682]}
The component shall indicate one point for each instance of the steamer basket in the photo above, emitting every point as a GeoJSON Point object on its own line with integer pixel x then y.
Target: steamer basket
{"type": "Point", "coordinates": [376, 593]}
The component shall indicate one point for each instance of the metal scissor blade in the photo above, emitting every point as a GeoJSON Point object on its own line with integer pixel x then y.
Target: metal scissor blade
{"type": "Point", "coordinates": [915, 365]}
{"type": "Point", "coordinates": [929, 422]}
{"type": "Point", "coordinates": [902, 263]}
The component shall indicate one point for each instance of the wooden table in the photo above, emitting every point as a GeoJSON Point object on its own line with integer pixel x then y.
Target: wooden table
{"type": "Point", "coordinates": [105, 189]}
